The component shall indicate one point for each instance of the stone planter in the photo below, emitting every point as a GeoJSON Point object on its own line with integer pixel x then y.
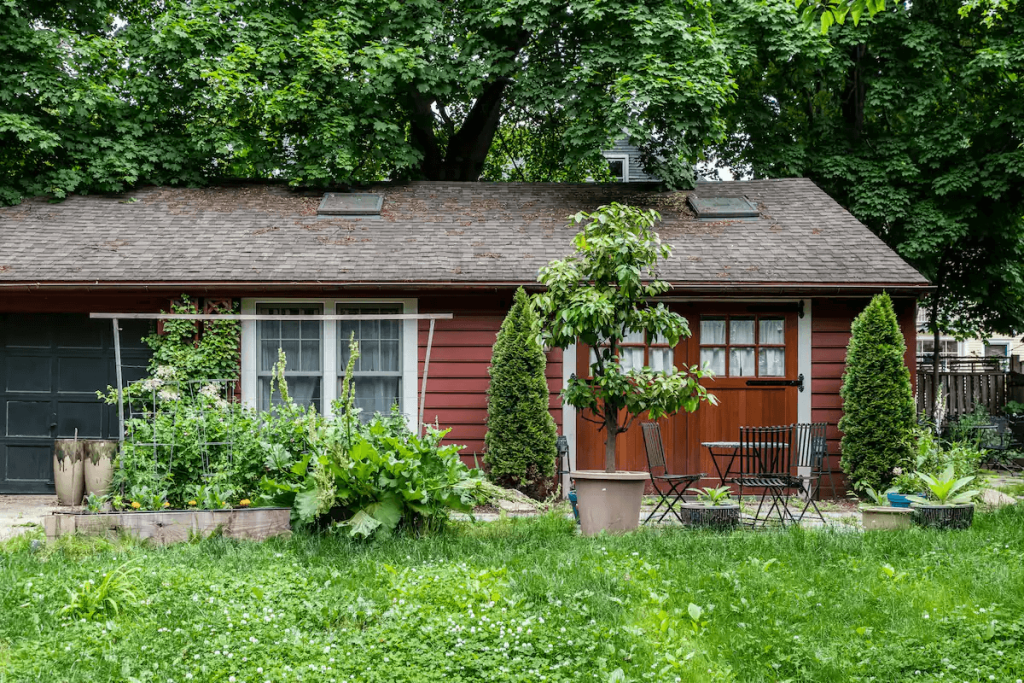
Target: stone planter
{"type": "Point", "coordinates": [69, 471]}
{"type": "Point", "coordinates": [99, 466]}
{"type": "Point", "coordinates": [878, 518]}
{"type": "Point", "coordinates": [173, 526]}
{"type": "Point", "coordinates": [944, 516]}
{"type": "Point", "coordinates": [713, 517]}
{"type": "Point", "coordinates": [609, 501]}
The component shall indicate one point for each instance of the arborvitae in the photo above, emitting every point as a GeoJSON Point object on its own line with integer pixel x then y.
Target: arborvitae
{"type": "Point", "coordinates": [878, 403]}
{"type": "Point", "coordinates": [521, 434]}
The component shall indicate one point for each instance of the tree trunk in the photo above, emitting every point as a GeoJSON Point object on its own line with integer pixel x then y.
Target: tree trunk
{"type": "Point", "coordinates": [935, 361]}
{"type": "Point", "coordinates": [467, 148]}
{"type": "Point", "coordinates": [611, 428]}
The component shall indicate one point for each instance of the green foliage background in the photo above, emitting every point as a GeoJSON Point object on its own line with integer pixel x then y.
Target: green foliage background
{"type": "Point", "coordinates": [913, 119]}
{"type": "Point", "coordinates": [879, 414]}
{"type": "Point", "coordinates": [521, 432]}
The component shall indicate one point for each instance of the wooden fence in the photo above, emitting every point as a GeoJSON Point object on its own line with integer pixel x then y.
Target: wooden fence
{"type": "Point", "coordinates": [962, 391]}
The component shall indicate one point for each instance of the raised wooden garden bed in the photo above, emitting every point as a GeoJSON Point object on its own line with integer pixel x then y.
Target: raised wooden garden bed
{"type": "Point", "coordinates": [173, 526]}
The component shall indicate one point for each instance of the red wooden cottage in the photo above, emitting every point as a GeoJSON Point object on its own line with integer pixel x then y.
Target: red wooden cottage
{"type": "Point", "coordinates": [769, 273]}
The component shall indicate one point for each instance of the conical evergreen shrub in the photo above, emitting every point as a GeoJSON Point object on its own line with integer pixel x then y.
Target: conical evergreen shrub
{"type": "Point", "coordinates": [878, 402]}
{"type": "Point", "coordinates": [520, 440]}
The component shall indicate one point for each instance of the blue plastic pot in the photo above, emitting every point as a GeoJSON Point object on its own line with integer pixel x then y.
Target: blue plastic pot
{"type": "Point", "coordinates": [898, 500]}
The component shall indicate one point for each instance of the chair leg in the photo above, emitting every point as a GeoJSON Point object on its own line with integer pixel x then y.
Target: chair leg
{"type": "Point", "coordinates": [658, 506]}
{"type": "Point", "coordinates": [832, 483]}
{"type": "Point", "coordinates": [812, 487]}
{"type": "Point", "coordinates": [670, 508]}
{"type": "Point", "coordinates": [757, 515]}
{"type": "Point", "coordinates": [779, 505]}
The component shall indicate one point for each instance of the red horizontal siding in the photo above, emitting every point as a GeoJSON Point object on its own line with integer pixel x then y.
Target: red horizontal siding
{"type": "Point", "coordinates": [460, 357]}
{"type": "Point", "coordinates": [830, 335]}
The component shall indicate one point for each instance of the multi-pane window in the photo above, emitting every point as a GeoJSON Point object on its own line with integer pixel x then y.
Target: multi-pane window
{"type": "Point", "coordinates": [947, 347]}
{"type": "Point", "coordinates": [377, 375]}
{"type": "Point", "coordinates": [743, 346]}
{"type": "Point", "coordinates": [301, 342]}
{"type": "Point", "coordinates": [635, 354]}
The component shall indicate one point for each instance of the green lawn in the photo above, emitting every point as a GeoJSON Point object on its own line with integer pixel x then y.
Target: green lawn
{"type": "Point", "coordinates": [527, 600]}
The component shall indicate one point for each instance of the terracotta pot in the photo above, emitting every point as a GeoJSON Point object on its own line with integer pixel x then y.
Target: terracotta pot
{"type": "Point", "coordinates": [944, 516]}
{"type": "Point", "coordinates": [878, 517]}
{"type": "Point", "coordinates": [69, 471]}
{"type": "Point", "coordinates": [609, 501]}
{"type": "Point", "coordinates": [714, 517]}
{"type": "Point", "coordinates": [99, 466]}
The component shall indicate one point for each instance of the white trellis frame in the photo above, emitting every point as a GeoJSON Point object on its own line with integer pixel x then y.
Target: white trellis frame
{"type": "Point", "coordinates": [115, 319]}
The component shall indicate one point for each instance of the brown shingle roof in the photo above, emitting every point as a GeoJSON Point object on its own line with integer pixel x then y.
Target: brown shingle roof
{"type": "Point", "coordinates": [429, 232]}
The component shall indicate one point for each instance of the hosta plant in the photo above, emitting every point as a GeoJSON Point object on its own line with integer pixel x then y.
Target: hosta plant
{"type": "Point", "coordinates": [945, 489]}
{"type": "Point", "coordinates": [878, 498]}
{"type": "Point", "coordinates": [713, 497]}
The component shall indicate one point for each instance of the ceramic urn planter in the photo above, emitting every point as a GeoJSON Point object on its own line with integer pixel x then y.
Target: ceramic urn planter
{"type": "Point", "coordinates": [609, 501]}
{"type": "Point", "coordinates": [99, 466]}
{"type": "Point", "coordinates": [876, 517]}
{"type": "Point", "coordinates": [69, 471]}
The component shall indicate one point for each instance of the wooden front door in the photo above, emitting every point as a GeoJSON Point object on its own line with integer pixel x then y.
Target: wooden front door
{"type": "Point", "coordinates": [753, 349]}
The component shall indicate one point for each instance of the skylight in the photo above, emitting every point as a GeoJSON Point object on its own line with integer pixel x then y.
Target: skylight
{"type": "Point", "coordinates": [350, 204]}
{"type": "Point", "coordinates": [722, 208]}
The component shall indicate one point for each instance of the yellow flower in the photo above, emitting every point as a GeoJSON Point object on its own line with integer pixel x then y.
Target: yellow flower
{"type": "Point", "coordinates": [166, 504]}
{"type": "Point", "coordinates": [136, 504]}
{"type": "Point", "coordinates": [192, 502]}
{"type": "Point", "coordinates": [245, 502]}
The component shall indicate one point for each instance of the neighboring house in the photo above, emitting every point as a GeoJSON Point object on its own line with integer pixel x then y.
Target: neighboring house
{"type": "Point", "coordinates": [769, 274]}
{"type": "Point", "coordinates": [624, 163]}
{"type": "Point", "coordinates": [996, 346]}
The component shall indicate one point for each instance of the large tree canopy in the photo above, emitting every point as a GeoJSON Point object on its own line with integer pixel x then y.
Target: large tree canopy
{"type": "Point", "coordinates": [914, 120]}
{"type": "Point", "coordinates": [99, 96]}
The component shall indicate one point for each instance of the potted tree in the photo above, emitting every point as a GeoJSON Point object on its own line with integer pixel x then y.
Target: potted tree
{"type": "Point", "coordinates": [947, 506]}
{"type": "Point", "coordinates": [599, 295]}
{"type": "Point", "coordinates": [714, 508]}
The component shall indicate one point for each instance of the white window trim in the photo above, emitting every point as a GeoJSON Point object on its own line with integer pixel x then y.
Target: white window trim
{"type": "Point", "coordinates": [329, 349]}
{"type": "Point", "coordinates": [624, 158]}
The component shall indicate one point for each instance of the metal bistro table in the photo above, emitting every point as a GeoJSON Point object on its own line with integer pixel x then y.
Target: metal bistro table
{"type": "Point", "coordinates": [730, 450]}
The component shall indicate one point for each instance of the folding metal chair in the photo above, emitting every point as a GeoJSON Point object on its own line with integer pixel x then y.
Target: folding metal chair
{"type": "Point", "coordinates": [763, 459]}
{"type": "Point", "coordinates": [810, 455]}
{"type": "Point", "coordinates": [677, 483]}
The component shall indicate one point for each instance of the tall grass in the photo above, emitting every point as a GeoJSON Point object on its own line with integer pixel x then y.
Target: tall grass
{"type": "Point", "coordinates": [796, 605]}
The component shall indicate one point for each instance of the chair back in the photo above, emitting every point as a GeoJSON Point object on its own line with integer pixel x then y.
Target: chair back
{"type": "Point", "coordinates": [811, 446]}
{"type": "Point", "coordinates": [765, 450]}
{"type": "Point", "coordinates": [655, 448]}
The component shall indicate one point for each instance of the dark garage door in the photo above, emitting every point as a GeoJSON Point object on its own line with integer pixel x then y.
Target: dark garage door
{"type": "Point", "coordinates": [51, 366]}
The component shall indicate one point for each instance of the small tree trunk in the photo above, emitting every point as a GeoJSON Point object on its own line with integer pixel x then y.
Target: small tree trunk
{"type": "Point", "coordinates": [611, 428]}
{"type": "Point", "coordinates": [935, 363]}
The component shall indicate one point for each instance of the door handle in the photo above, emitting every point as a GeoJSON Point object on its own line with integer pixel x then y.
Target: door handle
{"type": "Point", "coordinates": [798, 382]}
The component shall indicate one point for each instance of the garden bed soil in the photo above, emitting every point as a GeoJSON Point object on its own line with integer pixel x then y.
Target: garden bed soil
{"type": "Point", "coordinates": [173, 526]}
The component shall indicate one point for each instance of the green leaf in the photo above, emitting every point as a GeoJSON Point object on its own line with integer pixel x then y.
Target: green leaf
{"type": "Point", "coordinates": [695, 611]}
{"type": "Point", "coordinates": [306, 505]}
{"type": "Point", "coordinates": [363, 524]}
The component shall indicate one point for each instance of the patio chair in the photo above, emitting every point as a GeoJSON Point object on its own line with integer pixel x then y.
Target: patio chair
{"type": "Point", "coordinates": [766, 458]}
{"type": "Point", "coordinates": [811, 456]}
{"type": "Point", "coordinates": [677, 483]}
{"type": "Point", "coordinates": [996, 438]}
{"type": "Point", "coordinates": [810, 439]}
